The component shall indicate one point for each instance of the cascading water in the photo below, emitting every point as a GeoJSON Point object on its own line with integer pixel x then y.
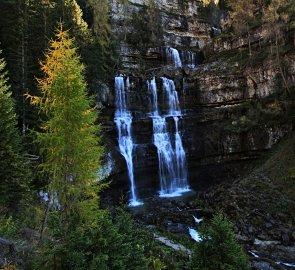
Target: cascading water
{"type": "Point", "coordinates": [171, 97]}
{"type": "Point", "coordinates": [123, 120]}
{"type": "Point", "coordinates": [181, 169]}
{"type": "Point", "coordinates": [189, 59]}
{"type": "Point", "coordinates": [173, 55]}
{"type": "Point", "coordinates": [171, 154]}
{"type": "Point", "coordinates": [152, 87]}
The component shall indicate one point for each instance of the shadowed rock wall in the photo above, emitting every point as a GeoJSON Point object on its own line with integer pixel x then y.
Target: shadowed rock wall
{"type": "Point", "coordinates": [230, 115]}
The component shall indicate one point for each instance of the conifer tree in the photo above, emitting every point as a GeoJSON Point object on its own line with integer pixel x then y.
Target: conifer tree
{"type": "Point", "coordinates": [218, 249]}
{"type": "Point", "coordinates": [69, 140]}
{"type": "Point", "coordinates": [101, 55]}
{"type": "Point", "coordinates": [13, 172]}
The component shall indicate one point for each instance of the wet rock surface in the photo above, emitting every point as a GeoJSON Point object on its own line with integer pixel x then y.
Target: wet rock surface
{"type": "Point", "coordinates": [260, 214]}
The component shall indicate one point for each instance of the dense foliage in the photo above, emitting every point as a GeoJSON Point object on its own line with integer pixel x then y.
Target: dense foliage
{"type": "Point", "coordinates": [147, 27]}
{"type": "Point", "coordinates": [68, 140]}
{"type": "Point", "coordinates": [218, 249]}
{"type": "Point", "coordinates": [26, 27]}
{"type": "Point", "coordinates": [104, 244]}
{"type": "Point", "coordinates": [13, 171]}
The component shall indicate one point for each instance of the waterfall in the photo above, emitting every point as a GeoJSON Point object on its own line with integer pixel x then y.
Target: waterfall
{"type": "Point", "coordinates": [181, 169]}
{"type": "Point", "coordinates": [123, 120]}
{"type": "Point", "coordinates": [195, 235]}
{"type": "Point", "coordinates": [171, 154]}
{"type": "Point", "coordinates": [171, 97]}
{"type": "Point", "coordinates": [188, 59]}
{"type": "Point", "coordinates": [152, 87]}
{"type": "Point", "coordinates": [173, 55]}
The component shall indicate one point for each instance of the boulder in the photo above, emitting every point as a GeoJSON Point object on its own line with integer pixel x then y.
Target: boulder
{"type": "Point", "coordinates": [176, 227]}
{"type": "Point", "coordinates": [7, 248]}
{"type": "Point", "coordinates": [265, 244]}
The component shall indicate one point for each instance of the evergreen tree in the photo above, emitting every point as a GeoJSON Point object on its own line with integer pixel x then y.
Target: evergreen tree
{"type": "Point", "coordinates": [13, 172]}
{"type": "Point", "coordinates": [218, 249]}
{"type": "Point", "coordinates": [105, 245]}
{"type": "Point", "coordinates": [101, 56]}
{"type": "Point", "coordinates": [87, 236]}
{"type": "Point", "coordinates": [69, 140]}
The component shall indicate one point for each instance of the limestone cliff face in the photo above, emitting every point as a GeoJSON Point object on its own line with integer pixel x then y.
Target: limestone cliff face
{"type": "Point", "coordinates": [179, 21]}
{"type": "Point", "coordinates": [230, 113]}
{"type": "Point", "coordinates": [232, 123]}
{"type": "Point", "coordinates": [177, 24]}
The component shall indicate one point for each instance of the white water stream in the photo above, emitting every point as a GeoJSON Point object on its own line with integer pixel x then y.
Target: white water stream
{"type": "Point", "coordinates": [123, 120]}
{"type": "Point", "coordinates": [171, 154]}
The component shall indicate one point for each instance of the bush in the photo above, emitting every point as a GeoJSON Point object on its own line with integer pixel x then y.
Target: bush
{"type": "Point", "coordinates": [7, 227]}
{"type": "Point", "coordinates": [105, 245]}
{"type": "Point", "coordinates": [218, 249]}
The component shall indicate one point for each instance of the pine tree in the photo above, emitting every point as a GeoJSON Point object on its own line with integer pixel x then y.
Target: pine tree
{"type": "Point", "coordinates": [13, 172]}
{"type": "Point", "coordinates": [218, 249]}
{"type": "Point", "coordinates": [69, 140]}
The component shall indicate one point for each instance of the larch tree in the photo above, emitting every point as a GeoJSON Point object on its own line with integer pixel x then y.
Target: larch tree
{"type": "Point", "coordinates": [70, 139]}
{"type": "Point", "coordinates": [13, 172]}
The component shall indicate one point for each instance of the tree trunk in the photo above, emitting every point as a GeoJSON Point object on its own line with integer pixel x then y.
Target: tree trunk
{"type": "Point", "coordinates": [44, 223]}
{"type": "Point", "coordinates": [23, 9]}
{"type": "Point", "coordinates": [280, 66]}
{"type": "Point", "coordinates": [45, 25]}
{"type": "Point", "coordinates": [249, 41]}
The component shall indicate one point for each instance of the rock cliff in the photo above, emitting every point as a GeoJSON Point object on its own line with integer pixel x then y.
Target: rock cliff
{"type": "Point", "coordinates": [231, 114]}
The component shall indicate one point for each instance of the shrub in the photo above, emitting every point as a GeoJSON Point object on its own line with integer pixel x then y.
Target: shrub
{"type": "Point", "coordinates": [218, 249]}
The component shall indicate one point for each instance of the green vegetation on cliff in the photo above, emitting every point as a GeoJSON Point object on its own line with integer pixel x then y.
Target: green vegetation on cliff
{"type": "Point", "coordinates": [280, 166]}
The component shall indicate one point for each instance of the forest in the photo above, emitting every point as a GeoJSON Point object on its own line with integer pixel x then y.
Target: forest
{"type": "Point", "coordinates": [60, 117]}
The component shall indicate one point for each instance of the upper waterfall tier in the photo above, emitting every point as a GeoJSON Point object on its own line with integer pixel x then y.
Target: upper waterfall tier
{"type": "Point", "coordinates": [173, 56]}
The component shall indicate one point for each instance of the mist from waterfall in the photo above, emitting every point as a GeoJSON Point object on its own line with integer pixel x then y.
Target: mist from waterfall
{"type": "Point", "coordinates": [123, 120]}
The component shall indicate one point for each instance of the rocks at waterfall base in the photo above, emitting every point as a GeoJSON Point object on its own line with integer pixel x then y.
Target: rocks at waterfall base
{"type": "Point", "coordinates": [262, 215]}
{"type": "Point", "coordinates": [260, 204]}
{"type": "Point", "coordinates": [7, 252]}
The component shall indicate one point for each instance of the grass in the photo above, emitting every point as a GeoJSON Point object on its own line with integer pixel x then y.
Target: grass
{"type": "Point", "coordinates": [281, 166]}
